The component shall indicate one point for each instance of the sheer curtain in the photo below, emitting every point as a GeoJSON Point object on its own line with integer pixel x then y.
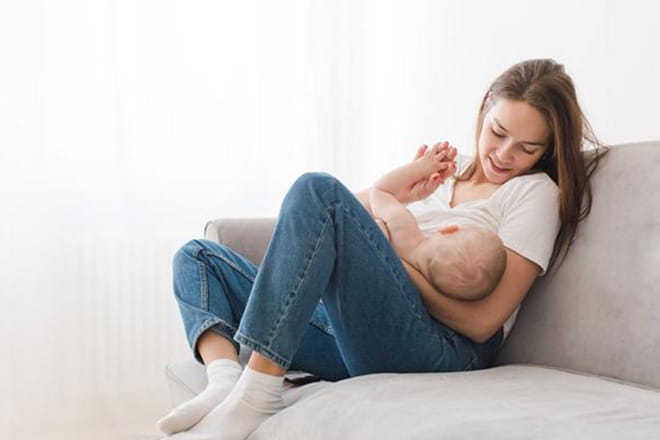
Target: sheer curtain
{"type": "Point", "coordinates": [125, 126]}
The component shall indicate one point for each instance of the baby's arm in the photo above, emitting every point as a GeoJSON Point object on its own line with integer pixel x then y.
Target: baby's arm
{"type": "Point", "coordinates": [434, 160]}
{"type": "Point", "coordinates": [404, 233]}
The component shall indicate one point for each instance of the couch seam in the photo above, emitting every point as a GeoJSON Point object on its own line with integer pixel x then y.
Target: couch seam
{"type": "Point", "coordinates": [585, 374]}
{"type": "Point", "coordinates": [178, 380]}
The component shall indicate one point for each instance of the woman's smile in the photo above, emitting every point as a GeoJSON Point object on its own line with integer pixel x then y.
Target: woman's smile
{"type": "Point", "coordinates": [495, 168]}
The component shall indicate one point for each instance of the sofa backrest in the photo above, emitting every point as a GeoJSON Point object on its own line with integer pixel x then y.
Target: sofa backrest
{"type": "Point", "coordinates": [600, 311]}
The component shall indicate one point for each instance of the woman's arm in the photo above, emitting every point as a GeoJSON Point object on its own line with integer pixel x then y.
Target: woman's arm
{"type": "Point", "coordinates": [479, 320]}
{"type": "Point", "coordinates": [363, 197]}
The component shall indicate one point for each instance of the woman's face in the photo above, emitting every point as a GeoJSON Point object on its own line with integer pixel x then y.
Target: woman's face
{"type": "Point", "coordinates": [513, 137]}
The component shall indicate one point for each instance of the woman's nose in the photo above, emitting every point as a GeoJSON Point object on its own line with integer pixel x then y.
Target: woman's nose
{"type": "Point", "coordinates": [505, 153]}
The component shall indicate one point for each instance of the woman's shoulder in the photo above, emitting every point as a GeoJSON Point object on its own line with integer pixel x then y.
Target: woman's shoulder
{"type": "Point", "coordinates": [534, 191]}
{"type": "Point", "coordinates": [535, 182]}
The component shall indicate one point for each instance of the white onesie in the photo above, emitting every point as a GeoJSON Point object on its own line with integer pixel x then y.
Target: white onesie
{"type": "Point", "coordinates": [524, 212]}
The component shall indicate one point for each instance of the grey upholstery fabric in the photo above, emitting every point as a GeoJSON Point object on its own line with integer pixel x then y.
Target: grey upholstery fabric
{"type": "Point", "coordinates": [504, 403]}
{"type": "Point", "coordinates": [249, 236]}
{"type": "Point", "coordinates": [600, 311]}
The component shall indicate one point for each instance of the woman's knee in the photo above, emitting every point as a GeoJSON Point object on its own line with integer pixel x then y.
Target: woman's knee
{"type": "Point", "coordinates": [194, 250]}
{"type": "Point", "coordinates": [316, 186]}
{"type": "Point", "coordinates": [315, 180]}
{"type": "Point", "coordinates": [189, 250]}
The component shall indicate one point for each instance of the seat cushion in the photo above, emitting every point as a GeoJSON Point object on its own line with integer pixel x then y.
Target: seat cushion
{"type": "Point", "coordinates": [519, 401]}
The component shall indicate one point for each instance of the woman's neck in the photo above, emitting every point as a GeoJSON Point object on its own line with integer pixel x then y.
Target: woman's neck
{"type": "Point", "coordinates": [478, 178]}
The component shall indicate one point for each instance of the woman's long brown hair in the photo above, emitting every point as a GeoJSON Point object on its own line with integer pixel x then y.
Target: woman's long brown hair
{"type": "Point", "coordinates": [544, 85]}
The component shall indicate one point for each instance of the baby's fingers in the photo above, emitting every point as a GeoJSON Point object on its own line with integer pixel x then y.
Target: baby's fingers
{"type": "Point", "coordinates": [440, 146]}
{"type": "Point", "coordinates": [420, 152]}
{"type": "Point", "coordinates": [433, 182]}
{"type": "Point", "coordinates": [447, 169]}
{"type": "Point", "coordinates": [441, 157]}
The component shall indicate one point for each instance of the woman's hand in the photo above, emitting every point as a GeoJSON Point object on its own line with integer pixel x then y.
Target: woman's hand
{"type": "Point", "coordinates": [427, 185]}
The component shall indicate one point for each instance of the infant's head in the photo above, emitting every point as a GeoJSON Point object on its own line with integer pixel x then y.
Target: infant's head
{"type": "Point", "coordinates": [463, 262]}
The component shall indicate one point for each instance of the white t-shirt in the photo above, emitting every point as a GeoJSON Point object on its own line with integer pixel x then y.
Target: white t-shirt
{"type": "Point", "coordinates": [524, 212]}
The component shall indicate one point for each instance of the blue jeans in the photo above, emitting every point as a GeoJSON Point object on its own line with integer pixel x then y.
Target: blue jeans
{"type": "Point", "coordinates": [331, 296]}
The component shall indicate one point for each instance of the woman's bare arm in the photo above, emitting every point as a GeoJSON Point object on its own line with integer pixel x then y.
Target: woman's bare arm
{"type": "Point", "coordinates": [363, 197]}
{"type": "Point", "coordinates": [479, 320]}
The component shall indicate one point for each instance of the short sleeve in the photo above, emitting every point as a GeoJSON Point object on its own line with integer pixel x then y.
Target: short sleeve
{"type": "Point", "coordinates": [530, 219]}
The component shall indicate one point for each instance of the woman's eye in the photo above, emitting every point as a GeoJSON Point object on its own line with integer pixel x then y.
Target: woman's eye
{"type": "Point", "coordinates": [501, 136]}
{"type": "Point", "coordinates": [497, 134]}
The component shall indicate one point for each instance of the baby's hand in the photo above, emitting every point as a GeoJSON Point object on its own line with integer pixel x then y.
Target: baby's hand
{"type": "Point", "coordinates": [437, 164]}
{"type": "Point", "coordinates": [438, 160]}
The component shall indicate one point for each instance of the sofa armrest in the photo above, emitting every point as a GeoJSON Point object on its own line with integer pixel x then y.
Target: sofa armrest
{"type": "Point", "coordinates": [247, 236]}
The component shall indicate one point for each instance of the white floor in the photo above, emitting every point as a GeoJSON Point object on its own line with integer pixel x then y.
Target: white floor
{"type": "Point", "coordinates": [88, 317]}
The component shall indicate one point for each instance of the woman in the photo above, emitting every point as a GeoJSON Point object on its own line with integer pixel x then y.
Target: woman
{"type": "Point", "coordinates": [332, 298]}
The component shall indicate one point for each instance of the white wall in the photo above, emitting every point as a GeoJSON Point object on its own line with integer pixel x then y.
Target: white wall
{"type": "Point", "coordinates": [125, 125]}
{"type": "Point", "coordinates": [427, 65]}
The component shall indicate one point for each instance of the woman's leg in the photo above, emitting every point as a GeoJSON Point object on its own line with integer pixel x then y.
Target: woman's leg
{"type": "Point", "coordinates": [212, 284]}
{"type": "Point", "coordinates": [326, 245]}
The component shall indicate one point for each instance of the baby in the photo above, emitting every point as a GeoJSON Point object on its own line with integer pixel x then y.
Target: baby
{"type": "Point", "coordinates": [462, 262]}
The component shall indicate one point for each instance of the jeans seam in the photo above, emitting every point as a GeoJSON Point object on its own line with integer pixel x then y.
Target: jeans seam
{"type": "Point", "coordinates": [441, 337]}
{"type": "Point", "coordinates": [263, 350]}
{"type": "Point", "coordinates": [293, 293]}
{"type": "Point", "coordinates": [204, 287]}
{"type": "Point", "coordinates": [471, 363]}
{"type": "Point", "coordinates": [324, 328]}
{"type": "Point", "coordinates": [229, 263]}
{"type": "Point", "coordinates": [209, 324]}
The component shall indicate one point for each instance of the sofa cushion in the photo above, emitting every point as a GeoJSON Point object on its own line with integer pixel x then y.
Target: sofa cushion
{"type": "Point", "coordinates": [600, 311]}
{"type": "Point", "coordinates": [508, 402]}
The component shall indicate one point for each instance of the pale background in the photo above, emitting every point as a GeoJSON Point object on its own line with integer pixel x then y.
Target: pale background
{"type": "Point", "coordinates": [125, 125]}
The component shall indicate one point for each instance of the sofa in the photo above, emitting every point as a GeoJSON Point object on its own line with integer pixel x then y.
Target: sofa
{"type": "Point", "coordinates": [582, 361]}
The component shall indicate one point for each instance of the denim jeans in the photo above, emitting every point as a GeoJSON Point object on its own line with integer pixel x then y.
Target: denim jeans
{"type": "Point", "coordinates": [331, 296]}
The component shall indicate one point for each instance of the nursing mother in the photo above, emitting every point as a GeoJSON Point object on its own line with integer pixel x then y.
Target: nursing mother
{"type": "Point", "coordinates": [331, 297]}
{"type": "Point", "coordinates": [528, 181]}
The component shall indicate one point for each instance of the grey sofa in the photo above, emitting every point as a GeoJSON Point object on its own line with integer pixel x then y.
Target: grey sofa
{"type": "Point", "coordinates": [582, 361]}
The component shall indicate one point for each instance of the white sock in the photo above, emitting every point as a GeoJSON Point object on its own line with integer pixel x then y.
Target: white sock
{"type": "Point", "coordinates": [222, 376]}
{"type": "Point", "coordinates": [255, 398]}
